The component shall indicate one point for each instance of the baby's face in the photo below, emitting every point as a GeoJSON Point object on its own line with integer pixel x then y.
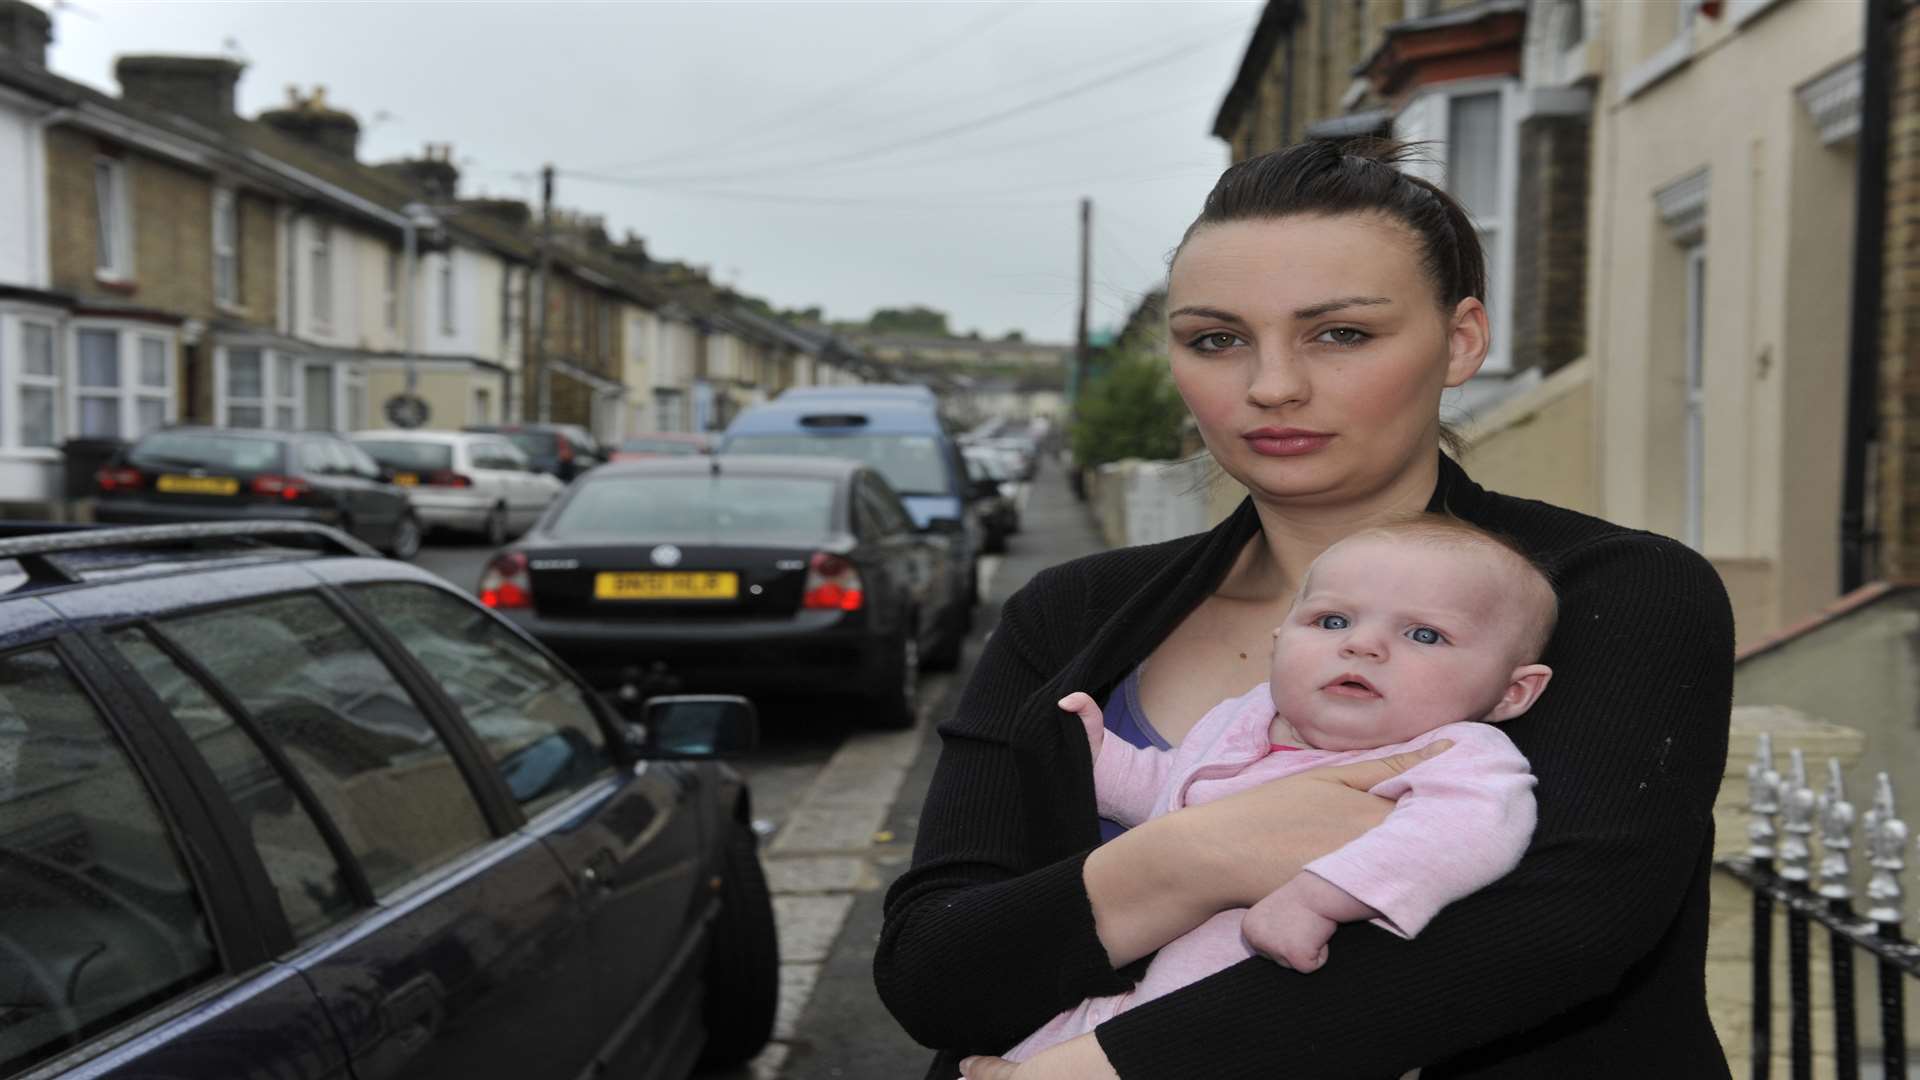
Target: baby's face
{"type": "Point", "coordinates": [1391, 639]}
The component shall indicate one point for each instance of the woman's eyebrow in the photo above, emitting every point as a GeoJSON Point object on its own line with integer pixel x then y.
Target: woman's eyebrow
{"type": "Point", "coordinates": [1325, 307]}
{"type": "Point", "coordinates": [1205, 313]}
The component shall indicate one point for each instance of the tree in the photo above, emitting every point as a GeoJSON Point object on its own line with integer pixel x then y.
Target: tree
{"type": "Point", "coordinates": [917, 320]}
{"type": "Point", "coordinates": [1013, 335]}
{"type": "Point", "coordinates": [1129, 410]}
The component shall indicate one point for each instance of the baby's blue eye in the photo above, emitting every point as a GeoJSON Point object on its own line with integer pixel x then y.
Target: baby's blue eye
{"type": "Point", "coordinates": [1331, 622]}
{"type": "Point", "coordinates": [1425, 635]}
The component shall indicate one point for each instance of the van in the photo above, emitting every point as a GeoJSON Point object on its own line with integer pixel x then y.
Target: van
{"type": "Point", "coordinates": [904, 441]}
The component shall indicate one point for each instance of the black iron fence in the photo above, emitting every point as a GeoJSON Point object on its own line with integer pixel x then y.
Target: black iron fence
{"type": "Point", "coordinates": [1779, 869]}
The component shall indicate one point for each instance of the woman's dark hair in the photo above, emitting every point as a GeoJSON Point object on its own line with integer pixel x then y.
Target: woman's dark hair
{"type": "Point", "coordinates": [1355, 176]}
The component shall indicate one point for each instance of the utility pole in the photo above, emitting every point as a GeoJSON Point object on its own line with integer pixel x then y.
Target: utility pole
{"type": "Point", "coordinates": [542, 373]}
{"type": "Point", "coordinates": [1080, 357]}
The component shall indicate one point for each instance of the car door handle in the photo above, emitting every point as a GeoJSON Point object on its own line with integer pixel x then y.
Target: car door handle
{"type": "Point", "coordinates": [413, 1015]}
{"type": "Point", "coordinates": [599, 870]}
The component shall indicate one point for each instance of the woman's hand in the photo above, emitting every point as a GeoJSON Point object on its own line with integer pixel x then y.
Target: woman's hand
{"type": "Point", "coordinates": [1155, 882]}
{"type": "Point", "coordinates": [1079, 1058]}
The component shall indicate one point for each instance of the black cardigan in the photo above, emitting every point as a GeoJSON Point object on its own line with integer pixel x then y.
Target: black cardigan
{"type": "Point", "coordinates": [1587, 961]}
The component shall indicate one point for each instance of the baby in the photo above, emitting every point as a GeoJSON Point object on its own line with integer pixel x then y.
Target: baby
{"type": "Point", "coordinates": [1400, 636]}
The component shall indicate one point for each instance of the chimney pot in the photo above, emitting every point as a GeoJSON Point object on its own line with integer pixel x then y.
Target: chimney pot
{"type": "Point", "coordinates": [25, 32]}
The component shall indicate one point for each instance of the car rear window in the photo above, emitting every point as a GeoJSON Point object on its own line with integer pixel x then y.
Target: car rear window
{"type": "Point", "coordinates": [235, 453]}
{"type": "Point", "coordinates": [913, 464]}
{"type": "Point", "coordinates": [658, 446]}
{"type": "Point", "coordinates": [536, 444]}
{"type": "Point", "coordinates": [408, 454]}
{"type": "Point", "coordinates": [700, 507]}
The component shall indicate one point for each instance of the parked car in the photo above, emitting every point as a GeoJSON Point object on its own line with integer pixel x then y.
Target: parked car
{"type": "Point", "coordinates": [269, 811]}
{"type": "Point", "coordinates": [466, 482]}
{"type": "Point", "coordinates": [184, 474]}
{"type": "Point", "coordinates": [1023, 451]}
{"type": "Point", "coordinates": [993, 498]}
{"type": "Point", "coordinates": [564, 450]}
{"type": "Point", "coordinates": [654, 444]}
{"type": "Point", "coordinates": [753, 573]}
{"type": "Point", "coordinates": [905, 441]}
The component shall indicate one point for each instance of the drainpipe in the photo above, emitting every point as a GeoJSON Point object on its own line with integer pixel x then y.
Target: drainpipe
{"type": "Point", "coordinates": [1869, 275]}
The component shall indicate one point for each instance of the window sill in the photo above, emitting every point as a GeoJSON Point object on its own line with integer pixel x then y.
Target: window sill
{"type": "Point", "coordinates": [1673, 56]}
{"type": "Point", "coordinates": [123, 286]}
{"type": "Point", "coordinates": [31, 454]}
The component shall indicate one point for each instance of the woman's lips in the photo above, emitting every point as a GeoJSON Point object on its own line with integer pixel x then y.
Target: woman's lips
{"type": "Point", "coordinates": [1286, 442]}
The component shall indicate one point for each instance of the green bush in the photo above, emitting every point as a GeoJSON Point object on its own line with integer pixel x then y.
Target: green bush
{"type": "Point", "coordinates": [1128, 410]}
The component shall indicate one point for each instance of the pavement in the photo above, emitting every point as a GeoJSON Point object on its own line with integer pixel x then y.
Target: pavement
{"type": "Point", "coordinates": [851, 834]}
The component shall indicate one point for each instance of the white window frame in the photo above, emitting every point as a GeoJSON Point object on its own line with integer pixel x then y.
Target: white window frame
{"type": "Point", "coordinates": [226, 247]}
{"type": "Point", "coordinates": [448, 325]}
{"type": "Point", "coordinates": [1436, 101]}
{"type": "Point", "coordinates": [19, 380]}
{"type": "Point", "coordinates": [113, 220]}
{"type": "Point", "coordinates": [320, 263]}
{"type": "Point", "coordinates": [1696, 394]}
{"type": "Point", "coordinates": [273, 397]}
{"type": "Point", "coordinates": [131, 390]}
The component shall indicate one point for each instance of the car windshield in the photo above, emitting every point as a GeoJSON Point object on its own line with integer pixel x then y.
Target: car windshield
{"type": "Point", "coordinates": [206, 450]}
{"type": "Point", "coordinates": [911, 463]}
{"type": "Point", "coordinates": [701, 506]}
{"type": "Point", "coordinates": [409, 455]}
{"type": "Point", "coordinates": [658, 446]}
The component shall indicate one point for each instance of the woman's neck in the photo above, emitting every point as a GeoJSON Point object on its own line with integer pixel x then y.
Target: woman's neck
{"type": "Point", "coordinates": [1292, 534]}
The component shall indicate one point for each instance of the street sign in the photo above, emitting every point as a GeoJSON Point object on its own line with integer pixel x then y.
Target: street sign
{"type": "Point", "coordinates": [406, 410]}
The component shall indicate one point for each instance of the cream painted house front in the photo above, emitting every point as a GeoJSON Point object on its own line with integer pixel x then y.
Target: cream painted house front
{"type": "Point", "coordinates": [1721, 228]}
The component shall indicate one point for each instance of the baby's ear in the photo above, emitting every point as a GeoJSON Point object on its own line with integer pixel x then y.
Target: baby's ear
{"type": "Point", "coordinates": [1522, 691]}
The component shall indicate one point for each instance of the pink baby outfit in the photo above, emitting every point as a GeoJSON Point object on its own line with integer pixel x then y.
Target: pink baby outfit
{"type": "Point", "coordinates": [1460, 822]}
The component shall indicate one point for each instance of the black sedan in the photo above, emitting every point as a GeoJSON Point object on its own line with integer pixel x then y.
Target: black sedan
{"type": "Point", "coordinates": [748, 574]}
{"type": "Point", "coordinates": [187, 474]}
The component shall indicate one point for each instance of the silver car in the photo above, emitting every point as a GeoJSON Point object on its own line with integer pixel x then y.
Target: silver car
{"type": "Point", "coordinates": [473, 483]}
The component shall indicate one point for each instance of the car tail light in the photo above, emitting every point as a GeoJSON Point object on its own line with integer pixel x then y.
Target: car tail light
{"type": "Point", "coordinates": [448, 478]}
{"type": "Point", "coordinates": [832, 584]}
{"type": "Point", "coordinates": [288, 488]}
{"type": "Point", "coordinates": [119, 480]}
{"type": "Point", "coordinates": [506, 584]}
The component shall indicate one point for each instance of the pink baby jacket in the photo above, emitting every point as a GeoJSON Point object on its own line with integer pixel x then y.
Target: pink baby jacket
{"type": "Point", "coordinates": [1460, 822]}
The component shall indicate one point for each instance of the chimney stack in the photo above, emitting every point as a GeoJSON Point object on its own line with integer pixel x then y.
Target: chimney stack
{"type": "Point", "coordinates": [201, 87]}
{"type": "Point", "coordinates": [433, 173]}
{"type": "Point", "coordinates": [25, 32]}
{"type": "Point", "coordinates": [310, 120]}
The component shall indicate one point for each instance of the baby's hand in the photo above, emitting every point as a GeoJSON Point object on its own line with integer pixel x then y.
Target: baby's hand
{"type": "Point", "coordinates": [1082, 705]}
{"type": "Point", "coordinates": [1292, 924]}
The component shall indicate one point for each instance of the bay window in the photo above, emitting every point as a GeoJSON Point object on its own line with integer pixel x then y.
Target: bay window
{"type": "Point", "coordinates": [122, 382]}
{"type": "Point", "coordinates": [38, 379]}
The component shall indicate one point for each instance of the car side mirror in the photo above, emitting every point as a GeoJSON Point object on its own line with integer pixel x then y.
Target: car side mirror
{"type": "Point", "coordinates": [683, 726]}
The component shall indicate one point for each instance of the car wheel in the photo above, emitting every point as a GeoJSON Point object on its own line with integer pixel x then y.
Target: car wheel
{"type": "Point", "coordinates": [743, 966]}
{"type": "Point", "coordinates": [495, 530]}
{"type": "Point", "coordinates": [896, 708]}
{"type": "Point", "coordinates": [406, 539]}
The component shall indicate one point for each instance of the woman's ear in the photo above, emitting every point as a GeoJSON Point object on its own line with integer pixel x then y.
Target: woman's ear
{"type": "Point", "coordinates": [1468, 340]}
{"type": "Point", "coordinates": [1522, 691]}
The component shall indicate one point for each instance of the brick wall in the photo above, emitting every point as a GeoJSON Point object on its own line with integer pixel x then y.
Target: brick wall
{"type": "Point", "coordinates": [259, 255]}
{"type": "Point", "coordinates": [1550, 242]}
{"type": "Point", "coordinates": [1899, 479]}
{"type": "Point", "coordinates": [172, 212]}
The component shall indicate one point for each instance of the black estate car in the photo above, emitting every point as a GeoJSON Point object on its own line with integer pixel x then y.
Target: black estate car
{"type": "Point", "coordinates": [273, 808]}
{"type": "Point", "coordinates": [748, 573]}
{"type": "Point", "coordinates": [186, 474]}
{"type": "Point", "coordinates": [564, 450]}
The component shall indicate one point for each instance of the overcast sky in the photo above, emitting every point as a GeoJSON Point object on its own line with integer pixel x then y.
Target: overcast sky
{"type": "Point", "coordinates": [849, 155]}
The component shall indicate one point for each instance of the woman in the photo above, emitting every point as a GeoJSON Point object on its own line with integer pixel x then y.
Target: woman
{"type": "Point", "coordinates": [1317, 308]}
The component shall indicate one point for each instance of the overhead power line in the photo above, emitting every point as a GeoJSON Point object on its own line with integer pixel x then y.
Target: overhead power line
{"type": "Point", "coordinates": [1159, 60]}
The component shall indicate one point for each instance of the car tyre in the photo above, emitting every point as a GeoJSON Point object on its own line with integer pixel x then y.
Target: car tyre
{"type": "Point", "coordinates": [494, 532]}
{"type": "Point", "coordinates": [896, 709]}
{"type": "Point", "coordinates": [406, 539]}
{"type": "Point", "coordinates": [743, 964]}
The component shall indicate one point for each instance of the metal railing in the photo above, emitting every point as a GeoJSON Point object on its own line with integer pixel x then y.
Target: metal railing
{"type": "Point", "coordinates": [1779, 868]}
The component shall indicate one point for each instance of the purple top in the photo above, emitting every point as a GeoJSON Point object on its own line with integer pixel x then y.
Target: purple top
{"type": "Point", "coordinates": [1124, 717]}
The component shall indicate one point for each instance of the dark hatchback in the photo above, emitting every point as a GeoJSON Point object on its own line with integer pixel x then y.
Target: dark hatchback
{"type": "Point", "coordinates": [273, 812]}
{"type": "Point", "coordinates": [755, 574]}
{"type": "Point", "coordinates": [189, 474]}
{"type": "Point", "coordinates": [565, 450]}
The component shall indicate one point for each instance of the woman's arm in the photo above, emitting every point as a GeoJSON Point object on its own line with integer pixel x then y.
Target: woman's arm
{"type": "Point", "coordinates": [1629, 747]}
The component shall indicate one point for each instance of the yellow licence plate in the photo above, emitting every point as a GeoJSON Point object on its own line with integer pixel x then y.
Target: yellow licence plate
{"type": "Point", "coordinates": [197, 485]}
{"type": "Point", "coordinates": [406, 479]}
{"type": "Point", "coordinates": [677, 585]}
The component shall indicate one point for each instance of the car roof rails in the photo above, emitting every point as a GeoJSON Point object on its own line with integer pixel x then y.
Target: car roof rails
{"type": "Point", "coordinates": [32, 553]}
